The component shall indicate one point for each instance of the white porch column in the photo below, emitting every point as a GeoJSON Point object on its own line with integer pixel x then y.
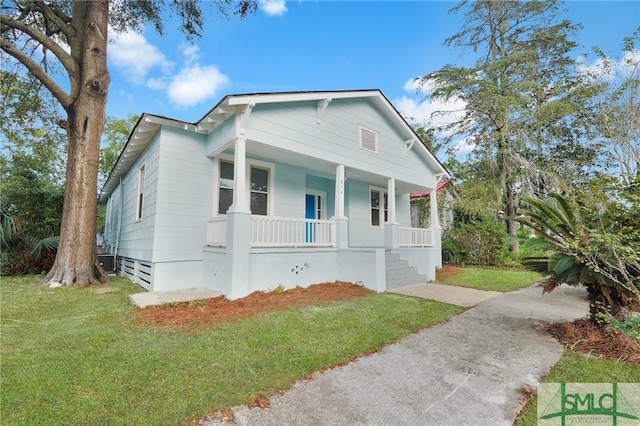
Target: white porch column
{"type": "Point", "coordinates": [391, 228]}
{"type": "Point", "coordinates": [342, 222]}
{"type": "Point", "coordinates": [437, 230]}
{"type": "Point", "coordinates": [391, 201]}
{"type": "Point", "coordinates": [433, 198]}
{"type": "Point", "coordinates": [240, 178]}
{"type": "Point", "coordinates": [339, 197]}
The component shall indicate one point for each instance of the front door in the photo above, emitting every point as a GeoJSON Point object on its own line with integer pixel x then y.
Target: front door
{"type": "Point", "coordinates": [313, 209]}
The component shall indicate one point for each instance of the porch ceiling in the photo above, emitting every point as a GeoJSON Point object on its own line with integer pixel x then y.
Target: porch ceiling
{"type": "Point", "coordinates": [325, 169]}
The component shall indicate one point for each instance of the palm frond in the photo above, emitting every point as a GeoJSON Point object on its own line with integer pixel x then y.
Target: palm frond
{"type": "Point", "coordinates": [49, 243]}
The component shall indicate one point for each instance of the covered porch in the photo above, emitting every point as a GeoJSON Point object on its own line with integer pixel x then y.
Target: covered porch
{"type": "Point", "coordinates": [284, 242]}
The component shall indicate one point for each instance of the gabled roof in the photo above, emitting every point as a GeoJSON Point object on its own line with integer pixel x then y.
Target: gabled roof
{"type": "Point", "coordinates": [148, 124]}
{"type": "Point", "coordinates": [441, 185]}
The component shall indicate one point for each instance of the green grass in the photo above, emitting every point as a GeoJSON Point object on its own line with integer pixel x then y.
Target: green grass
{"type": "Point", "coordinates": [577, 368]}
{"type": "Point", "coordinates": [78, 356]}
{"type": "Point", "coordinates": [491, 278]}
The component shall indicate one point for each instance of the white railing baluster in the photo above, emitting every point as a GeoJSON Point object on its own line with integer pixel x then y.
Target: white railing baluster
{"type": "Point", "coordinates": [415, 237]}
{"type": "Point", "coordinates": [217, 232]}
{"type": "Point", "coordinates": [270, 231]}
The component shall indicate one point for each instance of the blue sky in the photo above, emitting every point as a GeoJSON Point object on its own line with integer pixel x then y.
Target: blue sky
{"type": "Point", "coordinates": [316, 45]}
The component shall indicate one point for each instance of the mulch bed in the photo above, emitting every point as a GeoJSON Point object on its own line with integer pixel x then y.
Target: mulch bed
{"type": "Point", "coordinates": [219, 310]}
{"type": "Point", "coordinates": [606, 342]}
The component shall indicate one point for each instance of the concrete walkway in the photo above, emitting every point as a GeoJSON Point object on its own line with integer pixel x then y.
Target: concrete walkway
{"type": "Point", "coordinates": [461, 296]}
{"type": "Point", "coordinates": [466, 371]}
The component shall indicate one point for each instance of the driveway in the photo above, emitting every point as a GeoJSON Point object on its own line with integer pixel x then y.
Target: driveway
{"type": "Point", "coordinates": [466, 371]}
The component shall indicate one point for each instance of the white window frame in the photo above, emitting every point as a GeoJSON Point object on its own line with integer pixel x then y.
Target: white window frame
{"type": "Point", "coordinates": [251, 163]}
{"type": "Point", "coordinates": [268, 191]}
{"type": "Point", "coordinates": [218, 169]}
{"type": "Point", "coordinates": [361, 131]}
{"type": "Point", "coordinates": [140, 192]}
{"type": "Point", "coordinates": [382, 209]}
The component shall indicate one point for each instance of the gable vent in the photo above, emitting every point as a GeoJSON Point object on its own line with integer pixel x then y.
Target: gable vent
{"type": "Point", "coordinates": [368, 140]}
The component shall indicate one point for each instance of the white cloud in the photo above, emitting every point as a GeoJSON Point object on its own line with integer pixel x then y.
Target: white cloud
{"type": "Point", "coordinates": [273, 7]}
{"type": "Point", "coordinates": [157, 83]}
{"type": "Point", "coordinates": [191, 52]}
{"type": "Point", "coordinates": [420, 109]}
{"type": "Point", "coordinates": [195, 84]}
{"type": "Point", "coordinates": [609, 69]}
{"type": "Point", "coordinates": [132, 54]}
{"type": "Point", "coordinates": [142, 62]}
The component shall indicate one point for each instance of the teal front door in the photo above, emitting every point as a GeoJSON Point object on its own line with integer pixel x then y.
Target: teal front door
{"type": "Point", "coordinates": [310, 213]}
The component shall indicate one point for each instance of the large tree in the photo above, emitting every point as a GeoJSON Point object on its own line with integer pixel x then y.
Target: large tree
{"type": "Point", "coordinates": [522, 95]}
{"type": "Point", "coordinates": [73, 35]}
{"type": "Point", "coordinates": [115, 134]}
{"type": "Point", "coordinates": [619, 107]}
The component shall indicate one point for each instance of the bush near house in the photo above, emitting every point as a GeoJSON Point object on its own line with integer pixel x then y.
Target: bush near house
{"type": "Point", "coordinates": [30, 214]}
{"type": "Point", "coordinates": [476, 239]}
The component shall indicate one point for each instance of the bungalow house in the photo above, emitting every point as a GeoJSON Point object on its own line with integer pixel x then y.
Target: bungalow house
{"type": "Point", "coordinates": [273, 189]}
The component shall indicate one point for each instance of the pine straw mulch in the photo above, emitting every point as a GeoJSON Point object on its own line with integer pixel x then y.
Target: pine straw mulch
{"type": "Point", "coordinates": [605, 342]}
{"type": "Point", "coordinates": [214, 311]}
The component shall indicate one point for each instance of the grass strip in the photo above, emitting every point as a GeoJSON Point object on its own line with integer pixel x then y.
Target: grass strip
{"type": "Point", "coordinates": [493, 279]}
{"type": "Point", "coordinates": [577, 368]}
{"type": "Point", "coordinates": [78, 356]}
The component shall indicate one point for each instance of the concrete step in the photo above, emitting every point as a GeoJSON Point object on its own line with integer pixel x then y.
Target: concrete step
{"type": "Point", "coordinates": [154, 298]}
{"type": "Point", "coordinates": [406, 281]}
{"type": "Point", "coordinates": [398, 273]}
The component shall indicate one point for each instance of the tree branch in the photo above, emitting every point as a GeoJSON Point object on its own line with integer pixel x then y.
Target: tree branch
{"type": "Point", "coordinates": [64, 99]}
{"type": "Point", "coordinates": [65, 59]}
{"type": "Point", "coordinates": [57, 18]}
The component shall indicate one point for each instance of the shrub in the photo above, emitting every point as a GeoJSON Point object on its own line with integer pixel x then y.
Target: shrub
{"type": "Point", "coordinates": [481, 240]}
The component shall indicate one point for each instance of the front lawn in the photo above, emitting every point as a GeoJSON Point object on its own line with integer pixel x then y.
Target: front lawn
{"type": "Point", "coordinates": [577, 368]}
{"type": "Point", "coordinates": [487, 278]}
{"type": "Point", "coordinates": [81, 356]}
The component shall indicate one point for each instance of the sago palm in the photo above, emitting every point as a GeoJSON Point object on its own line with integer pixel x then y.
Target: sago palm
{"type": "Point", "coordinates": [581, 252]}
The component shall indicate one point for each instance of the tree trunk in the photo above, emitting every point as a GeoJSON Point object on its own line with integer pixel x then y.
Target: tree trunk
{"type": "Point", "coordinates": [76, 261]}
{"type": "Point", "coordinates": [511, 210]}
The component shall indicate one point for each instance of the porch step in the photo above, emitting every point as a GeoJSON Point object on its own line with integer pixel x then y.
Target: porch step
{"type": "Point", "coordinates": [399, 273]}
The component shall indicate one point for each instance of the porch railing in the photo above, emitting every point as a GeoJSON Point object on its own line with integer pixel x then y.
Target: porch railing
{"type": "Point", "coordinates": [271, 231]}
{"type": "Point", "coordinates": [217, 232]}
{"type": "Point", "coordinates": [415, 237]}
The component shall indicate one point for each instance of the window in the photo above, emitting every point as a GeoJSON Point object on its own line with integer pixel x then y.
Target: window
{"type": "Point", "coordinates": [140, 192]}
{"type": "Point", "coordinates": [259, 191]}
{"type": "Point", "coordinates": [225, 194]}
{"type": "Point", "coordinates": [379, 212]}
{"type": "Point", "coordinates": [368, 140]}
{"type": "Point", "coordinates": [259, 183]}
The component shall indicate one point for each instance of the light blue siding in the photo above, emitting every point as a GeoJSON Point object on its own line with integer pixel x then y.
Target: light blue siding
{"type": "Point", "coordinates": [289, 189]}
{"type": "Point", "coordinates": [220, 135]}
{"type": "Point", "coordinates": [336, 139]}
{"type": "Point", "coordinates": [361, 233]}
{"type": "Point", "coordinates": [185, 189]}
{"type": "Point", "coordinates": [403, 209]}
{"type": "Point", "coordinates": [136, 236]}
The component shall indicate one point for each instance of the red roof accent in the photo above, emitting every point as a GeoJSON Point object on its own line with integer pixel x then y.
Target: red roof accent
{"type": "Point", "coordinates": [424, 194]}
